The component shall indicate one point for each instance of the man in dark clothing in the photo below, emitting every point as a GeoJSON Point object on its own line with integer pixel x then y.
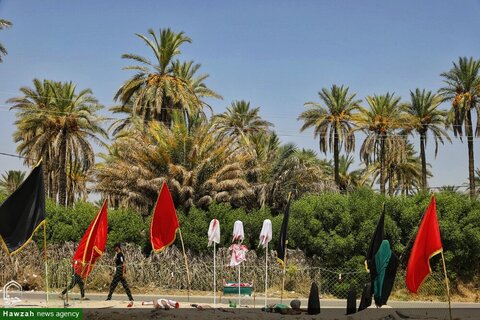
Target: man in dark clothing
{"type": "Point", "coordinates": [119, 275]}
{"type": "Point", "coordinates": [76, 279]}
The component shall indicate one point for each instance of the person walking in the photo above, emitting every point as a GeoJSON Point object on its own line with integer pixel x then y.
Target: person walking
{"type": "Point", "coordinates": [119, 275]}
{"type": "Point", "coordinates": [76, 279]}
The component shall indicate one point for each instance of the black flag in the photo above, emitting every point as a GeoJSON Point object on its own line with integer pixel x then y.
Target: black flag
{"type": "Point", "coordinates": [382, 264]}
{"type": "Point", "coordinates": [23, 212]}
{"type": "Point", "coordinates": [377, 239]}
{"type": "Point", "coordinates": [282, 243]}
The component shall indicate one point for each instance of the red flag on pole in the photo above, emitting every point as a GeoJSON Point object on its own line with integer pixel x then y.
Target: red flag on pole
{"type": "Point", "coordinates": [426, 245]}
{"type": "Point", "coordinates": [163, 228]}
{"type": "Point", "coordinates": [92, 245]}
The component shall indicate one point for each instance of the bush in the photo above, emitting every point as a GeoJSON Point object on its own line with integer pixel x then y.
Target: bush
{"type": "Point", "coordinates": [333, 229]}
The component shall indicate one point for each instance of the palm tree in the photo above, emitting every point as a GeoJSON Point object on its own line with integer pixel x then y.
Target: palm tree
{"type": "Point", "coordinates": [11, 180]}
{"type": "Point", "coordinates": [350, 179]}
{"type": "Point", "coordinates": [379, 123]}
{"type": "Point", "coordinates": [56, 123]}
{"type": "Point", "coordinates": [332, 122]}
{"type": "Point", "coordinates": [199, 166]}
{"type": "Point", "coordinates": [277, 170]}
{"type": "Point", "coordinates": [424, 117]}
{"type": "Point", "coordinates": [405, 168]}
{"type": "Point", "coordinates": [3, 25]}
{"type": "Point", "coordinates": [463, 89]}
{"type": "Point", "coordinates": [241, 122]}
{"type": "Point", "coordinates": [163, 85]}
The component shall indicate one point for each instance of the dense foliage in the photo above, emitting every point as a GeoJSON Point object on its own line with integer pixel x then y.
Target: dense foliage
{"type": "Point", "coordinates": [332, 229]}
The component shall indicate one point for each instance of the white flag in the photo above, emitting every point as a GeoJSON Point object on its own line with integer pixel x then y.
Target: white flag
{"type": "Point", "coordinates": [214, 232]}
{"type": "Point", "coordinates": [238, 234]}
{"type": "Point", "coordinates": [266, 233]}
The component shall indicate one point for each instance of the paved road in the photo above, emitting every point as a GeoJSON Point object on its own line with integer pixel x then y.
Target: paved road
{"type": "Point", "coordinates": [259, 300]}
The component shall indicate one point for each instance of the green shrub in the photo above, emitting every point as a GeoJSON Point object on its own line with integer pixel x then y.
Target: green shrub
{"type": "Point", "coordinates": [334, 229]}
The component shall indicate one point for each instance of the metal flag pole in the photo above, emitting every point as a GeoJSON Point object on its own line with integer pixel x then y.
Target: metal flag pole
{"type": "Point", "coordinates": [214, 276]}
{"type": "Point", "coordinates": [186, 265]}
{"type": "Point", "coordinates": [45, 256]}
{"type": "Point", "coordinates": [266, 273]}
{"type": "Point", "coordinates": [446, 283]}
{"type": "Point", "coordinates": [239, 295]}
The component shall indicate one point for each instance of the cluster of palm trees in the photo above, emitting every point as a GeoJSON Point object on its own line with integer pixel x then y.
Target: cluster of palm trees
{"type": "Point", "coordinates": [55, 124]}
{"type": "Point", "coordinates": [166, 134]}
{"type": "Point", "coordinates": [386, 152]}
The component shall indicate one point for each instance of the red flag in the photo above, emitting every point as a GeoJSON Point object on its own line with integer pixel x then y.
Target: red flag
{"type": "Point", "coordinates": [164, 221]}
{"type": "Point", "coordinates": [426, 245]}
{"type": "Point", "coordinates": [92, 245]}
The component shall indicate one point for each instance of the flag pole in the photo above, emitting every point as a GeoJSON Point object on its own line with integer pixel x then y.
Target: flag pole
{"type": "Point", "coordinates": [239, 294]}
{"type": "Point", "coordinates": [285, 257]}
{"type": "Point", "coordinates": [446, 283]}
{"type": "Point", "coordinates": [186, 264]}
{"type": "Point", "coordinates": [45, 257]}
{"type": "Point", "coordinates": [266, 273]}
{"type": "Point", "coordinates": [214, 276]}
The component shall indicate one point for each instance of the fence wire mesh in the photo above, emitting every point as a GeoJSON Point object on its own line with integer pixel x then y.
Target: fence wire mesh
{"type": "Point", "coordinates": [167, 271]}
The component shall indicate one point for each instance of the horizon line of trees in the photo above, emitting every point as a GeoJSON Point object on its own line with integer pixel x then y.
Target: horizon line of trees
{"type": "Point", "coordinates": [165, 135]}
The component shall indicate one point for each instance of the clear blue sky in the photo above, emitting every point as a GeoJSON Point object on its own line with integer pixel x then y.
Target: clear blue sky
{"type": "Point", "coordinates": [276, 54]}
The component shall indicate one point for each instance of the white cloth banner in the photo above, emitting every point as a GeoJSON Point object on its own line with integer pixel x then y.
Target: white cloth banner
{"type": "Point", "coordinates": [238, 234]}
{"type": "Point", "coordinates": [239, 254]}
{"type": "Point", "coordinates": [266, 233]}
{"type": "Point", "coordinates": [214, 232]}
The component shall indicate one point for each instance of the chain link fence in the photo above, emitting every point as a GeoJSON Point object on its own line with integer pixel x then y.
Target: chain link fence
{"type": "Point", "coordinates": [167, 271]}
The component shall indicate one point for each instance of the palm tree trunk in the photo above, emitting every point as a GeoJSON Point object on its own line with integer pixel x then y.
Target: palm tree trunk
{"type": "Point", "coordinates": [390, 180]}
{"type": "Point", "coordinates": [471, 164]}
{"type": "Point", "coordinates": [62, 172]}
{"type": "Point", "coordinates": [382, 164]}
{"type": "Point", "coordinates": [336, 152]}
{"type": "Point", "coordinates": [423, 158]}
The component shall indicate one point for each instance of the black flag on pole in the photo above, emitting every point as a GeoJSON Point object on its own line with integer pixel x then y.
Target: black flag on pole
{"type": "Point", "coordinates": [282, 243]}
{"type": "Point", "coordinates": [382, 264]}
{"type": "Point", "coordinates": [375, 243]}
{"type": "Point", "coordinates": [23, 212]}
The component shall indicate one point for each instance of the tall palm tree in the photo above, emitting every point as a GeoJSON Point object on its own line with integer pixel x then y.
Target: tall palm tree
{"type": "Point", "coordinates": [57, 123]}
{"type": "Point", "coordinates": [185, 71]}
{"type": "Point", "coordinates": [163, 85]}
{"type": "Point", "coordinates": [379, 123]}
{"type": "Point", "coordinates": [240, 121]}
{"type": "Point", "coordinates": [11, 180]}
{"type": "Point", "coordinates": [424, 116]}
{"type": "Point", "coordinates": [199, 166]}
{"type": "Point", "coordinates": [463, 89]}
{"type": "Point", "coordinates": [332, 122]}
{"type": "Point", "coordinates": [3, 25]}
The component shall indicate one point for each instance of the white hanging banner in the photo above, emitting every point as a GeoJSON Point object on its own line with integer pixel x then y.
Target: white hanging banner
{"type": "Point", "coordinates": [214, 232]}
{"type": "Point", "coordinates": [266, 233]}
{"type": "Point", "coordinates": [238, 234]}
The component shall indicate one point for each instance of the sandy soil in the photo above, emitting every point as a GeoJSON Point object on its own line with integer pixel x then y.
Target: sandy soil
{"type": "Point", "coordinates": [117, 309]}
